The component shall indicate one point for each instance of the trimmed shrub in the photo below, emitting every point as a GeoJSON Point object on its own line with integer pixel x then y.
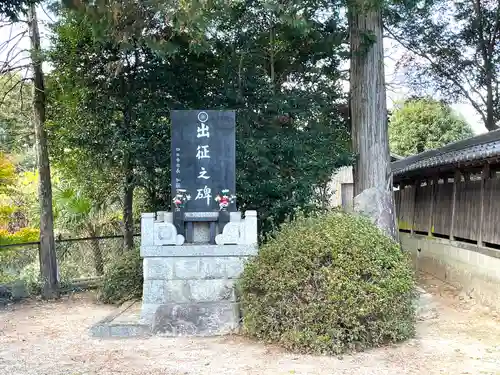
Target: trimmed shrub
{"type": "Point", "coordinates": [123, 279]}
{"type": "Point", "coordinates": [329, 284]}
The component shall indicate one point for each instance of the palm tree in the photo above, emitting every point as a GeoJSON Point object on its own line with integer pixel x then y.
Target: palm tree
{"type": "Point", "coordinates": [86, 217]}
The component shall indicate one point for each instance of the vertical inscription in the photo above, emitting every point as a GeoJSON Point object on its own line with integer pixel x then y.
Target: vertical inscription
{"type": "Point", "coordinates": [203, 156]}
{"type": "Point", "coordinates": [178, 183]}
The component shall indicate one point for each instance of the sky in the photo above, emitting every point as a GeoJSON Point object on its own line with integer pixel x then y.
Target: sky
{"type": "Point", "coordinates": [15, 49]}
{"type": "Point", "coordinates": [397, 89]}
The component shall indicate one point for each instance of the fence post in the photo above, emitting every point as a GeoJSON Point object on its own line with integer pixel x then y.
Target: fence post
{"type": "Point", "coordinates": [416, 185]}
{"type": "Point", "coordinates": [456, 179]}
{"type": "Point", "coordinates": [486, 174]}
{"type": "Point", "coordinates": [434, 182]}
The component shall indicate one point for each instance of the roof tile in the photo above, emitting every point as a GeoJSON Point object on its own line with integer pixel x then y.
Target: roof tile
{"type": "Point", "coordinates": [476, 148]}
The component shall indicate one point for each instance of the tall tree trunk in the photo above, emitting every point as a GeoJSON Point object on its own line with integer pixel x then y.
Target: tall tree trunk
{"type": "Point", "coordinates": [48, 262]}
{"type": "Point", "coordinates": [373, 189]}
{"type": "Point", "coordinates": [490, 106]}
{"type": "Point", "coordinates": [128, 200]}
{"type": "Point", "coordinates": [96, 252]}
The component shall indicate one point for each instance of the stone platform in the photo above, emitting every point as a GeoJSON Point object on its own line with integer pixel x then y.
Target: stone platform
{"type": "Point", "coordinates": [170, 320]}
{"type": "Point", "coordinates": [122, 323]}
{"type": "Point", "coordinates": [189, 290]}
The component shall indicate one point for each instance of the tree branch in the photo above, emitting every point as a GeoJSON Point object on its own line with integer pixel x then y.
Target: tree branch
{"type": "Point", "coordinates": [47, 14]}
{"type": "Point", "coordinates": [475, 90]}
{"type": "Point", "coordinates": [9, 91]}
{"type": "Point", "coordinates": [11, 38]}
{"type": "Point", "coordinates": [13, 60]}
{"type": "Point", "coordinates": [9, 59]}
{"type": "Point", "coordinates": [449, 76]}
{"type": "Point", "coordinates": [13, 69]}
{"type": "Point", "coordinates": [482, 42]}
{"type": "Point", "coordinates": [496, 29]}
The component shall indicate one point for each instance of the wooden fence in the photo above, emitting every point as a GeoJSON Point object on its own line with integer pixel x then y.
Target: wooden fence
{"type": "Point", "coordinates": [464, 208]}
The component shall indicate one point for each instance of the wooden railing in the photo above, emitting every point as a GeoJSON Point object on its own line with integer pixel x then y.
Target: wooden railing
{"type": "Point", "coordinates": [464, 207]}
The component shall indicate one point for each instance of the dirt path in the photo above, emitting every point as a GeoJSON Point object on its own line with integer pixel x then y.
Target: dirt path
{"type": "Point", "coordinates": [51, 338]}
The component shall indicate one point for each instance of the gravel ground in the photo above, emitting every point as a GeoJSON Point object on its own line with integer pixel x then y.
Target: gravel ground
{"type": "Point", "coordinates": [52, 338]}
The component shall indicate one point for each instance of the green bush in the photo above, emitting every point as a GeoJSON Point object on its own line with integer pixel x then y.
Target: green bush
{"type": "Point", "coordinates": [21, 236]}
{"type": "Point", "coordinates": [123, 279]}
{"type": "Point", "coordinates": [30, 275]}
{"type": "Point", "coordinates": [329, 284]}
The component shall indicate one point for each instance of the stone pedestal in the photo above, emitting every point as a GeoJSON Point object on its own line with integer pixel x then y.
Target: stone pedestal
{"type": "Point", "coordinates": [189, 288]}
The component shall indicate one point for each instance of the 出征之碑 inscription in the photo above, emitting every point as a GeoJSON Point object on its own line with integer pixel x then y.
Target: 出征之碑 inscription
{"type": "Point", "coordinates": [203, 158]}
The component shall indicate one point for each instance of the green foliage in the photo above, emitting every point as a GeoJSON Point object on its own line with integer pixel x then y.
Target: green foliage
{"type": "Point", "coordinates": [329, 284]}
{"type": "Point", "coordinates": [16, 131]}
{"type": "Point", "coordinates": [123, 279]}
{"type": "Point", "coordinates": [12, 9]}
{"type": "Point", "coordinates": [19, 207]}
{"type": "Point", "coordinates": [108, 120]}
{"type": "Point", "coordinates": [30, 275]}
{"type": "Point", "coordinates": [109, 110]}
{"type": "Point", "coordinates": [424, 124]}
{"type": "Point", "coordinates": [78, 214]}
{"type": "Point", "coordinates": [84, 215]}
{"type": "Point", "coordinates": [153, 21]}
{"type": "Point", "coordinates": [12, 259]}
{"type": "Point", "coordinates": [5, 215]}
{"type": "Point", "coordinates": [7, 174]}
{"type": "Point", "coordinates": [22, 235]}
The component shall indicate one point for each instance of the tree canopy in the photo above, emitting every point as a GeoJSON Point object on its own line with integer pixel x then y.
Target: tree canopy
{"type": "Point", "coordinates": [277, 67]}
{"type": "Point", "coordinates": [16, 128]}
{"type": "Point", "coordinates": [452, 50]}
{"type": "Point", "coordinates": [418, 125]}
{"type": "Point", "coordinates": [12, 9]}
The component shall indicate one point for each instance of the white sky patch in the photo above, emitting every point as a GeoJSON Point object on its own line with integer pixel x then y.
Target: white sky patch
{"type": "Point", "coordinates": [14, 51]}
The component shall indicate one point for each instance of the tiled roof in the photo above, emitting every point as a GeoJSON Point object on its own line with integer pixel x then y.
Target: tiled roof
{"type": "Point", "coordinates": [395, 157]}
{"type": "Point", "coordinates": [476, 148]}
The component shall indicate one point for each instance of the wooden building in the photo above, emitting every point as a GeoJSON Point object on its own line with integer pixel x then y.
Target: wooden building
{"type": "Point", "coordinates": [448, 209]}
{"type": "Point", "coordinates": [341, 186]}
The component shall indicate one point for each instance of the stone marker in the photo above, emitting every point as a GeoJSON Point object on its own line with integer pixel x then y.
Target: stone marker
{"type": "Point", "coordinates": [194, 254]}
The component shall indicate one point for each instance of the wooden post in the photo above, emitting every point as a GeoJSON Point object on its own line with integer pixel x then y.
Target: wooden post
{"type": "Point", "coordinates": [466, 175]}
{"type": "Point", "coordinates": [416, 184]}
{"type": "Point", "coordinates": [434, 182]}
{"type": "Point", "coordinates": [457, 178]}
{"type": "Point", "coordinates": [485, 175]}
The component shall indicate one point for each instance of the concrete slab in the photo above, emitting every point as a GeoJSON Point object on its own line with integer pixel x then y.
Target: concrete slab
{"type": "Point", "coordinates": [124, 322]}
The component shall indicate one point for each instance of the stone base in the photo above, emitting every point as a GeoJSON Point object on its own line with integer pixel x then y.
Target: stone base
{"type": "Point", "coordinates": [196, 319]}
{"type": "Point", "coordinates": [189, 290]}
{"type": "Point", "coordinates": [122, 323]}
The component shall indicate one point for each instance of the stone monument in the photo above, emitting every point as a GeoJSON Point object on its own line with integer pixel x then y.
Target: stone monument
{"type": "Point", "coordinates": [194, 254]}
